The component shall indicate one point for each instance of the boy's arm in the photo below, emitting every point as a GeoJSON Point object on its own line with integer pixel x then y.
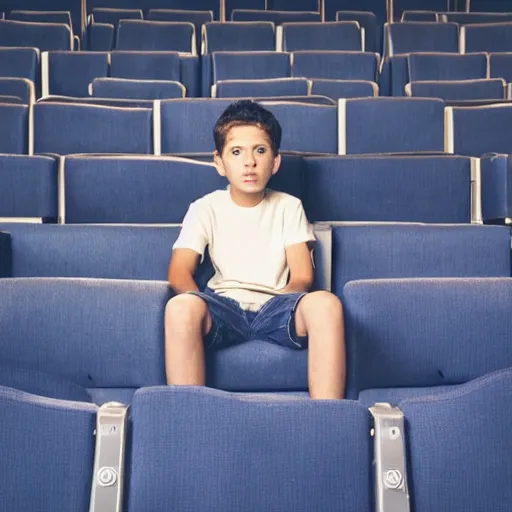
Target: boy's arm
{"type": "Point", "coordinates": [184, 263]}
{"type": "Point", "coordinates": [298, 258]}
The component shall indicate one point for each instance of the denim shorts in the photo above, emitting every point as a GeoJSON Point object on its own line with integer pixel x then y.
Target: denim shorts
{"type": "Point", "coordinates": [231, 325]}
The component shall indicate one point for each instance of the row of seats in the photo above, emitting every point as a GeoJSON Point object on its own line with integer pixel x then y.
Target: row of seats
{"type": "Point", "coordinates": [356, 126]}
{"type": "Point", "coordinates": [186, 448]}
{"type": "Point", "coordinates": [86, 188]}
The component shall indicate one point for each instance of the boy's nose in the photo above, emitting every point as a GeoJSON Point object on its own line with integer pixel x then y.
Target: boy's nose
{"type": "Point", "coordinates": [250, 161]}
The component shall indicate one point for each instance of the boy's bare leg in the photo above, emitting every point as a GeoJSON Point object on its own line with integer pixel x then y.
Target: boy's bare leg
{"type": "Point", "coordinates": [187, 320]}
{"type": "Point", "coordinates": [319, 316]}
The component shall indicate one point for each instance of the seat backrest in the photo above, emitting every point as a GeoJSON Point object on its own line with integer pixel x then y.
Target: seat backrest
{"type": "Point", "coordinates": [481, 89]}
{"type": "Point", "coordinates": [70, 73]}
{"type": "Point", "coordinates": [434, 189]}
{"type": "Point", "coordinates": [20, 87]}
{"type": "Point", "coordinates": [434, 434]}
{"type": "Point", "coordinates": [408, 37]}
{"type": "Point", "coordinates": [267, 87]}
{"type": "Point", "coordinates": [446, 66]}
{"type": "Point", "coordinates": [277, 17]}
{"type": "Point", "coordinates": [426, 332]}
{"type": "Point", "coordinates": [45, 36]}
{"type": "Point", "coordinates": [176, 36]}
{"type": "Point", "coordinates": [14, 129]}
{"type": "Point", "coordinates": [192, 6]}
{"type": "Point", "coordinates": [332, 35]}
{"type": "Point", "coordinates": [238, 36]}
{"type": "Point", "coordinates": [500, 66]}
{"type": "Point", "coordinates": [67, 128]}
{"type": "Point", "coordinates": [365, 125]}
{"type": "Point", "coordinates": [20, 63]}
{"type": "Point", "coordinates": [113, 16]}
{"type": "Point", "coordinates": [464, 134]}
{"type": "Point", "coordinates": [41, 16]}
{"type": "Point", "coordinates": [136, 89]}
{"type": "Point", "coordinates": [337, 65]}
{"type": "Point", "coordinates": [250, 65]}
{"type": "Point", "coordinates": [420, 16]}
{"type": "Point", "coordinates": [36, 430]}
{"type": "Point", "coordinates": [28, 186]}
{"type": "Point", "coordinates": [486, 37]}
{"type": "Point", "coordinates": [368, 21]}
{"type": "Point", "coordinates": [145, 65]}
{"type": "Point", "coordinates": [470, 18]}
{"type": "Point", "coordinates": [336, 89]}
{"type": "Point", "coordinates": [334, 434]}
{"type": "Point", "coordinates": [100, 37]}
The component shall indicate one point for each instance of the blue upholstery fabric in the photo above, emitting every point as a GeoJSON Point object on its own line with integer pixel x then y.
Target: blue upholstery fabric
{"type": "Point", "coordinates": [20, 63]}
{"type": "Point", "coordinates": [393, 76]}
{"type": "Point", "coordinates": [28, 186]}
{"type": "Point", "coordinates": [393, 396]}
{"type": "Point", "coordinates": [483, 89]}
{"type": "Point", "coordinates": [335, 35]}
{"type": "Point", "coordinates": [250, 65]}
{"type": "Point", "coordinates": [268, 87]}
{"type": "Point", "coordinates": [36, 431]}
{"type": "Point", "coordinates": [500, 66]}
{"type": "Point", "coordinates": [372, 30]}
{"type": "Point", "coordinates": [238, 36]}
{"type": "Point", "coordinates": [412, 36]}
{"type": "Point", "coordinates": [5, 254]}
{"type": "Point", "coordinates": [145, 65]}
{"type": "Point", "coordinates": [394, 125]}
{"type": "Point", "coordinates": [446, 66]}
{"type": "Point", "coordinates": [108, 102]}
{"type": "Point", "coordinates": [14, 128]}
{"type": "Point", "coordinates": [488, 37]}
{"type": "Point", "coordinates": [16, 100]}
{"type": "Point", "coordinates": [336, 65]}
{"type": "Point", "coordinates": [18, 87]}
{"type": "Point", "coordinates": [331, 7]}
{"type": "Point", "coordinates": [73, 128]}
{"type": "Point", "coordinates": [113, 16]}
{"type": "Point", "coordinates": [419, 16]}
{"type": "Point", "coordinates": [136, 89]}
{"type": "Point", "coordinates": [298, 5]}
{"type": "Point", "coordinates": [73, 334]}
{"type": "Point", "coordinates": [275, 16]}
{"type": "Point", "coordinates": [388, 188]}
{"type": "Point", "coordinates": [100, 37]}
{"type": "Point", "coordinates": [155, 36]}
{"type": "Point", "coordinates": [45, 36]}
{"type": "Point", "coordinates": [399, 6]}
{"type": "Point", "coordinates": [135, 190]}
{"type": "Point", "coordinates": [373, 251]}
{"type": "Point", "coordinates": [337, 89]}
{"type": "Point", "coordinates": [70, 73]}
{"type": "Point", "coordinates": [470, 139]}
{"type": "Point", "coordinates": [468, 18]}
{"type": "Point", "coordinates": [496, 183]}
{"type": "Point", "coordinates": [243, 454]}
{"type": "Point", "coordinates": [426, 332]}
{"type": "Point", "coordinates": [436, 440]}
{"type": "Point", "coordinates": [40, 16]}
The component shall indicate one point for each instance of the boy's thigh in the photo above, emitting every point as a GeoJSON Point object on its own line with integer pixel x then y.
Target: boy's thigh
{"type": "Point", "coordinates": [275, 322]}
{"type": "Point", "coordinates": [229, 324]}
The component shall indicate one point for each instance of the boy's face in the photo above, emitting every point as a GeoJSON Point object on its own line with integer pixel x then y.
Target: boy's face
{"type": "Point", "coordinates": [247, 160]}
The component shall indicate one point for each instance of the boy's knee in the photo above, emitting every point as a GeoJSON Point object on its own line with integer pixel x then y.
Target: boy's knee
{"type": "Point", "coordinates": [185, 308]}
{"type": "Point", "coordinates": [322, 301]}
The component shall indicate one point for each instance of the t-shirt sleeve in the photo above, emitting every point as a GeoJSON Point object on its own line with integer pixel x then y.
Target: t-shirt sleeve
{"type": "Point", "coordinates": [194, 230]}
{"type": "Point", "coordinates": [297, 229]}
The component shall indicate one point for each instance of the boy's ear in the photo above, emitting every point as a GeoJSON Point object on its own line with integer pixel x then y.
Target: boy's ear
{"type": "Point", "coordinates": [217, 160]}
{"type": "Point", "coordinates": [277, 163]}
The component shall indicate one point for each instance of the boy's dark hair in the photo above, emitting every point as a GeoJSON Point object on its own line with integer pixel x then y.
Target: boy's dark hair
{"type": "Point", "coordinates": [247, 113]}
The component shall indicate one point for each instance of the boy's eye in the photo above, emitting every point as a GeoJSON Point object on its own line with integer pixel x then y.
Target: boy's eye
{"type": "Point", "coordinates": [235, 152]}
{"type": "Point", "coordinates": [261, 150]}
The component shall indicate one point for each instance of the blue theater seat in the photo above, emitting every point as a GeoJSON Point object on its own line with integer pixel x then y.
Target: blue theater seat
{"type": "Point", "coordinates": [420, 16]}
{"type": "Point", "coordinates": [45, 36]}
{"type": "Point", "coordinates": [20, 63]}
{"type": "Point", "coordinates": [496, 185]}
{"type": "Point", "coordinates": [500, 66]}
{"type": "Point", "coordinates": [275, 16]}
{"type": "Point", "coordinates": [18, 87]}
{"type": "Point", "coordinates": [486, 37]}
{"type": "Point", "coordinates": [136, 89]}
{"type": "Point", "coordinates": [238, 36]}
{"type": "Point", "coordinates": [14, 129]}
{"type": "Point", "coordinates": [446, 66]}
{"type": "Point", "coordinates": [480, 89]}
{"type": "Point", "coordinates": [266, 87]}
{"type": "Point", "coordinates": [100, 37]}
{"type": "Point", "coordinates": [40, 16]}
{"type": "Point", "coordinates": [145, 65]}
{"type": "Point", "coordinates": [336, 89]}
{"type": "Point", "coordinates": [113, 16]}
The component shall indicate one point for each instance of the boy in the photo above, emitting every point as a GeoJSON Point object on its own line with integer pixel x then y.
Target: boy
{"type": "Point", "coordinates": [258, 243]}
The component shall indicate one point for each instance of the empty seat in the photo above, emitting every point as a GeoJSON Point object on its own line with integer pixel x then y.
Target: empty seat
{"type": "Point", "coordinates": [18, 87]}
{"type": "Point", "coordinates": [100, 37]}
{"type": "Point", "coordinates": [420, 16]}
{"type": "Point", "coordinates": [486, 37]}
{"type": "Point", "coordinates": [156, 36]}
{"type": "Point", "coordinates": [113, 16]}
{"type": "Point", "coordinates": [396, 9]}
{"type": "Point", "coordinates": [70, 73]}
{"type": "Point", "coordinates": [468, 18]}
{"type": "Point", "coordinates": [434, 436]}
{"type": "Point", "coordinates": [446, 66]}
{"type": "Point", "coordinates": [336, 35]}
{"type": "Point", "coordinates": [464, 133]}
{"type": "Point", "coordinates": [298, 5]}
{"type": "Point", "coordinates": [411, 37]}
{"type": "Point", "coordinates": [434, 189]}
{"type": "Point", "coordinates": [238, 36]}
{"type": "Point", "coordinates": [390, 125]}
{"type": "Point", "coordinates": [28, 186]}
{"type": "Point", "coordinates": [448, 321]}
{"type": "Point", "coordinates": [484, 89]}
{"type": "Point", "coordinates": [268, 87]}
{"type": "Point", "coordinates": [136, 89]}
{"type": "Point", "coordinates": [14, 129]}
{"type": "Point", "coordinates": [335, 65]}
{"type": "Point", "coordinates": [277, 17]}
{"type": "Point", "coordinates": [41, 16]}
{"type": "Point", "coordinates": [44, 36]}
{"type": "Point", "coordinates": [368, 21]}
{"type": "Point", "coordinates": [145, 65]}
{"type": "Point", "coordinates": [20, 63]}
{"type": "Point", "coordinates": [250, 65]}
{"type": "Point", "coordinates": [37, 430]}
{"type": "Point", "coordinates": [500, 66]}
{"type": "Point", "coordinates": [215, 427]}
{"type": "Point", "coordinates": [66, 128]}
{"type": "Point", "coordinates": [336, 89]}
{"type": "Point", "coordinates": [192, 6]}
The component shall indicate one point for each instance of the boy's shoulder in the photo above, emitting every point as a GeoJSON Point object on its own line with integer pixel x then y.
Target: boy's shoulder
{"type": "Point", "coordinates": [282, 198]}
{"type": "Point", "coordinates": [213, 198]}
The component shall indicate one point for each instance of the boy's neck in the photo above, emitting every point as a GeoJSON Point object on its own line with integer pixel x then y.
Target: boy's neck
{"type": "Point", "coordinates": [246, 200]}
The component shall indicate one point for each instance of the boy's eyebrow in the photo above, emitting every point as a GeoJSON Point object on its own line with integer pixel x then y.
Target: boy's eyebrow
{"type": "Point", "coordinates": [234, 145]}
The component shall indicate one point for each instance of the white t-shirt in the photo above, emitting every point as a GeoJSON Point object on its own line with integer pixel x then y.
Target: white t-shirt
{"type": "Point", "coordinates": [246, 245]}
